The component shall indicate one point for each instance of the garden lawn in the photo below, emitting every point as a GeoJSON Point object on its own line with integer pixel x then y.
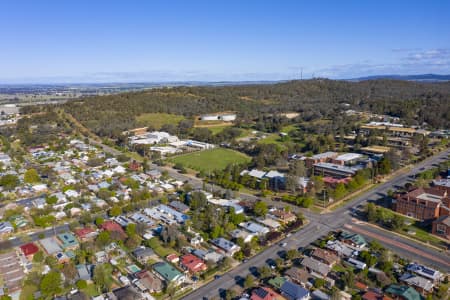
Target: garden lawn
{"type": "Point", "coordinates": [209, 160]}
{"type": "Point", "coordinates": [157, 120]}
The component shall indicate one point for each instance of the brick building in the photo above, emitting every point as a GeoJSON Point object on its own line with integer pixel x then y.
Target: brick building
{"type": "Point", "coordinates": [423, 203]}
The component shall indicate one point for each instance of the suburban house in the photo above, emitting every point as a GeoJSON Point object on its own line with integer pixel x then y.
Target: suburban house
{"type": "Point", "coordinates": [265, 293]}
{"type": "Point", "coordinates": [441, 227]}
{"type": "Point", "coordinates": [354, 240]}
{"type": "Point", "coordinates": [112, 226]}
{"type": "Point", "coordinates": [403, 292]}
{"type": "Point", "coordinates": [85, 234]}
{"type": "Point", "coordinates": [421, 284]}
{"type": "Point", "coordinates": [50, 246]}
{"type": "Point", "coordinates": [372, 295]}
{"type": "Point", "coordinates": [282, 216]}
{"type": "Point", "coordinates": [29, 250]}
{"type": "Point", "coordinates": [143, 254]}
{"type": "Point", "coordinates": [6, 228]}
{"type": "Point", "coordinates": [300, 276]}
{"type": "Point", "coordinates": [148, 282]}
{"type": "Point", "coordinates": [426, 272]}
{"type": "Point", "coordinates": [293, 291]}
{"type": "Point", "coordinates": [317, 268]}
{"type": "Point", "coordinates": [67, 241]}
{"type": "Point", "coordinates": [168, 273]}
{"type": "Point", "coordinates": [423, 203]}
{"type": "Point", "coordinates": [228, 247]}
{"type": "Point", "coordinates": [192, 263]}
{"type": "Point", "coordinates": [181, 207]}
{"type": "Point", "coordinates": [244, 235]}
{"type": "Point", "coordinates": [254, 228]}
{"type": "Point", "coordinates": [327, 257]}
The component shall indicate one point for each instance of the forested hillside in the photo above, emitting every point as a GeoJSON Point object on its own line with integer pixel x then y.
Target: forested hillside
{"type": "Point", "coordinates": [412, 101]}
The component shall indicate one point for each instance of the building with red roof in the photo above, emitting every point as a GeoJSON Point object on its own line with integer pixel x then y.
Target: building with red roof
{"type": "Point", "coordinates": [265, 293]}
{"type": "Point", "coordinates": [29, 250]}
{"type": "Point", "coordinates": [192, 263]}
{"type": "Point", "coordinates": [84, 234]}
{"type": "Point", "coordinates": [371, 295]}
{"type": "Point", "coordinates": [112, 226]}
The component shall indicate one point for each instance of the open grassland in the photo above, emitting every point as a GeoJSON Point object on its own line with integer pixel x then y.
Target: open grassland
{"type": "Point", "coordinates": [208, 160]}
{"type": "Point", "coordinates": [157, 120]}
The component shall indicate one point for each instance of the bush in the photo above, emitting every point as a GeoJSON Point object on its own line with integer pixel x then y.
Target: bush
{"type": "Point", "coordinates": [81, 284]}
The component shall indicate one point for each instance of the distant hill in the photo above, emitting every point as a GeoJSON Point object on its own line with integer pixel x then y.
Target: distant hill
{"type": "Point", "coordinates": [414, 102]}
{"type": "Point", "coordinates": [418, 77]}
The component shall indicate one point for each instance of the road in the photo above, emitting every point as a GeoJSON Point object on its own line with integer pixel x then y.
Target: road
{"type": "Point", "coordinates": [321, 224]}
{"type": "Point", "coordinates": [33, 236]}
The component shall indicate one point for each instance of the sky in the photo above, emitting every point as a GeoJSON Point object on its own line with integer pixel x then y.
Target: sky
{"type": "Point", "coordinates": [220, 40]}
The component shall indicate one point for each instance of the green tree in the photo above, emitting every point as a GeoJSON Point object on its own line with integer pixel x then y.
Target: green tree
{"type": "Point", "coordinates": [102, 277]}
{"type": "Point", "coordinates": [81, 284]}
{"type": "Point", "coordinates": [131, 229]}
{"type": "Point", "coordinates": [371, 212]}
{"type": "Point", "coordinates": [318, 283]}
{"type": "Point", "coordinates": [115, 211]}
{"type": "Point", "coordinates": [260, 209]}
{"type": "Point", "coordinates": [51, 200]}
{"type": "Point", "coordinates": [249, 281]}
{"type": "Point", "coordinates": [9, 182]}
{"type": "Point", "coordinates": [103, 238]}
{"type": "Point", "coordinates": [51, 283]}
{"type": "Point", "coordinates": [31, 176]}
{"type": "Point", "coordinates": [38, 256]}
{"type": "Point", "coordinates": [340, 191]}
{"type": "Point", "coordinates": [99, 221]}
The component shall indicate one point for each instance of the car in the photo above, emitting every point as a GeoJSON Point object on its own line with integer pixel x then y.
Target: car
{"type": "Point", "coordinates": [245, 260]}
{"type": "Point", "coordinates": [217, 276]}
{"type": "Point", "coordinates": [289, 234]}
{"type": "Point", "coordinates": [284, 244]}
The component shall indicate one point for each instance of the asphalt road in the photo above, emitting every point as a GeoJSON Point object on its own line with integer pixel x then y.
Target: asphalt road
{"type": "Point", "coordinates": [321, 224]}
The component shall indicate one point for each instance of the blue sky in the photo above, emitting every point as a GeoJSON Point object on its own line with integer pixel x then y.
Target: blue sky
{"type": "Point", "coordinates": [104, 41]}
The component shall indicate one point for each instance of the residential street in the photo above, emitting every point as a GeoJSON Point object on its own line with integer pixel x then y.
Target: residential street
{"type": "Point", "coordinates": [321, 224]}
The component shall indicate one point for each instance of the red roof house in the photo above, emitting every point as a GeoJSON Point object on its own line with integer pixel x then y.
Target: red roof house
{"type": "Point", "coordinates": [112, 226]}
{"type": "Point", "coordinates": [192, 263]}
{"type": "Point", "coordinates": [371, 295]}
{"type": "Point", "coordinates": [85, 233]}
{"type": "Point", "coordinates": [265, 293]}
{"type": "Point", "coordinates": [29, 249]}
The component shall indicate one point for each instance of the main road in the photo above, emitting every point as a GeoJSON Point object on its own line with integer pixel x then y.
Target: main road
{"type": "Point", "coordinates": [320, 225]}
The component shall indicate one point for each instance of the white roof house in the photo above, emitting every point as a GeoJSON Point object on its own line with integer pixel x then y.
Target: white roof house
{"type": "Point", "coordinates": [254, 228]}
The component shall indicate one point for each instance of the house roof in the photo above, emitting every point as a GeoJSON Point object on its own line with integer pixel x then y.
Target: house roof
{"type": "Point", "coordinates": [179, 206]}
{"type": "Point", "coordinates": [277, 282]}
{"type": "Point", "coordinates": [325, 256]}
{"type": "Point", "coordinates": [265, 293]}
{"type": "Point", "coordinates": [29, 249]}
{"type": "Point", "coordinates": [294, 291]}
{"type": "Point", "coordinates": [316, 265]}
{"type": "Point", "coordinates": [149, 280]}
{"type": "Point", "coordinates": [418, 281]}
{"type": "Point", "coordinates": [407, 292]}
{"type": "Point", "coordinates": [127, 293]}
{"type": "Point", "coordinates": [83, 232]}
{"type": "Point", "coordinates": [168, 272]}
{"type": "Point", "coordinates": [371, 295]}
{"type": "Point", "coordinates": [67, 239]}
{"type": "Point", "coordinates": [192, 263]}
{"type": "Point", "coordinates": [143, 252]}
{"type": "Point", "coordinates": [353, 237]}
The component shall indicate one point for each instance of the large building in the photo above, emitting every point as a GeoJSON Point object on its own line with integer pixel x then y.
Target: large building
{"type": "Point", "coordinates": [423, 203]}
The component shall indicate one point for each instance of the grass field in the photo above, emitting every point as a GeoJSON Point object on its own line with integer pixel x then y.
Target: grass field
{"type": "Point", "coordinates": [157, 120]}
{"type": "Point", "coordinates": [208, 160]}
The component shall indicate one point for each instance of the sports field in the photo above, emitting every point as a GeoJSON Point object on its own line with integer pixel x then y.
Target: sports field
{"type": "Point", "coordinates": [208, 160]}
